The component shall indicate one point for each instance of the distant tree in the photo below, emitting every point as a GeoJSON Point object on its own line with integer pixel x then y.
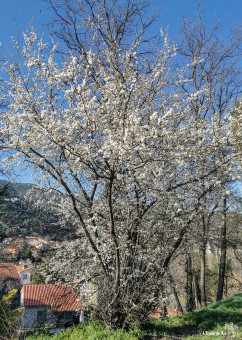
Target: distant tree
{"type": "Point", "coordinates": [38, 278]}
{"type": "Point", "coordinates": [3, 192]}
{"type": "Point", "coordinates": [24, 252]}
{"type": "Point", "coordinates": [217, 71]}
{"type": "Point", "coordinates": [237, 123]}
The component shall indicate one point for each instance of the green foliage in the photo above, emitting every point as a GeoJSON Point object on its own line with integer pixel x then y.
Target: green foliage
{"type": "Point", "coordinates": [219, 313]}
{"type": "Point", "coordinates": [37, 278]}
{"type": "Point", "coordinates": [223, 318]}
{"type": "Point", "coordinates": [162, 327]}
{"type": "Point", "coordinates": [93, 331]}
{"type": "Point", "coordinates": [3, 192]}
{"type": "Point", "coordinates": [9, 317]}
{"type": "Point", "coordinates": [24, 252]}
{"type": "Point", "coordinates": [42, 330]}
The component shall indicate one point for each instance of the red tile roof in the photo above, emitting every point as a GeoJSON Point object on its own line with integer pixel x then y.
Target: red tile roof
{"type": "Point", "coordinates": [59, 298]}
{"type": "Point", "coordinates": [157, 313]}
{"type": "Point", "coordinates": [42, 240]}
{"type": "Point", "coordinates": [8, 271]}
{"type": "Point", "coordinates": [22, 267]}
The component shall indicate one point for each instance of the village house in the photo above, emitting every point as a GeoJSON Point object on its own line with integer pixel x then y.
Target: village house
{"type": "Point", "coordinates": [88, 290]}
{"type": "Point", "coordinates": [9, 278]}
{"type": "Point", "coordinates": [19, 240]}
{"type": "Point", "coordinates": [10, 251]}
{"type": "Point", "coordinates": [25, 272]}
{"type": "Point", "coordinates": [30, 238]}
{"type": "Point", "coordinates": [50, 303]}
{"type": "Point", "coordinates": [7, 240]}
{"type": "Point", "coordinates": [35, 252]}
{"type": "Point", "coordinates": [38, 243]}
{"type": "Point", "coordinates": [42, 244]}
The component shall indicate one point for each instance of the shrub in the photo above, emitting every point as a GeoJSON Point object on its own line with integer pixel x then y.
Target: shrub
{"type": "Point", "coordinates": [93, 331]}
{"type": "Point", "coordinates": [9, 316]}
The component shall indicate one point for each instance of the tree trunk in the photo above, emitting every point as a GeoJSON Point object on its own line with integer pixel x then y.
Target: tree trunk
{"type": "Point", "coordinates": [164, 307]}
{"type": "Point", "coordinates": [223, 249]}
{"type": "Point", "coordinates": [196, 292]}
{"type": "Point", "coordinates": [179, 306]}
{"type": "Point", "coordinates": [189, 290]}
{"type": "Point", "coordinates": [203, 264]}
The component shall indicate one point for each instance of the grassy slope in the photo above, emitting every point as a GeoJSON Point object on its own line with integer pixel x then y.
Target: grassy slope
{"type": "Point", "coordinates": [223, 312]}
{"type": "Point", "coordinates": [221, 320]}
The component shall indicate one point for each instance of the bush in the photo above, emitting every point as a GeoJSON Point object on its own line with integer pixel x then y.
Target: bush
{"type": "Point", "coordinates": [93, 331]}
{"type": "Point", "coordinates": [9, 316]}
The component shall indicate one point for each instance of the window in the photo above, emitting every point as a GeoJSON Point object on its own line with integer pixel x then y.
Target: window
{"type": "Point", "coordinates": [25, 277]}
{"type": "Point", "coordinates": [64, 318]}
{"type": "Point", "coordinates": [84, 297]}
{"type": "Point", "coordinates": [41, 316]}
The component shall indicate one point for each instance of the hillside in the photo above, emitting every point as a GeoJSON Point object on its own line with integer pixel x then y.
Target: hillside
{"type": "Point", "coordinates": [16, 189]}
{"type": "Point", "coordinates": [21, 218]}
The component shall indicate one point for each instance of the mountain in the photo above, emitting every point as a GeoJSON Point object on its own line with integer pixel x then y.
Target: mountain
{"type": "Point", "coordinates": [16, 189]}
{"type": "Point", "coordinates": [19, 217]}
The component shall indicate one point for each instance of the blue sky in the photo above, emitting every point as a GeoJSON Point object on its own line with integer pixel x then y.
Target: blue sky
{"type": "Point", "coordinates": [14, 15]}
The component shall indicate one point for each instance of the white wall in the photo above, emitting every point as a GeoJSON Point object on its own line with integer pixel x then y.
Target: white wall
{"type": "Point", "coordinates": [28, 273]}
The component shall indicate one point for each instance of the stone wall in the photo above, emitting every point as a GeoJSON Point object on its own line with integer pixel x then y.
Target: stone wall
{"type": "Point", "coordinates": [30, 316]}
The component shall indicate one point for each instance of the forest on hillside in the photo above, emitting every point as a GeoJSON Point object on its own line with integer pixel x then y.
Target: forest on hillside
{"type": "Point", "coordinates": [20, 217]}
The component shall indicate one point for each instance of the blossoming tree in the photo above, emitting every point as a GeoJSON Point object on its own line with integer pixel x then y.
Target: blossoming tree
{"type": "Point", "coordinates": [103, 121]}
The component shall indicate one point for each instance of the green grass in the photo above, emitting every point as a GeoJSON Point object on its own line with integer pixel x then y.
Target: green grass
{"type": "Point", "coordinates": [220, 320]}
{"type": "Point", "coordinates": [93, 331]}
{"type": "Point", "coordinates": [218, 314]}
